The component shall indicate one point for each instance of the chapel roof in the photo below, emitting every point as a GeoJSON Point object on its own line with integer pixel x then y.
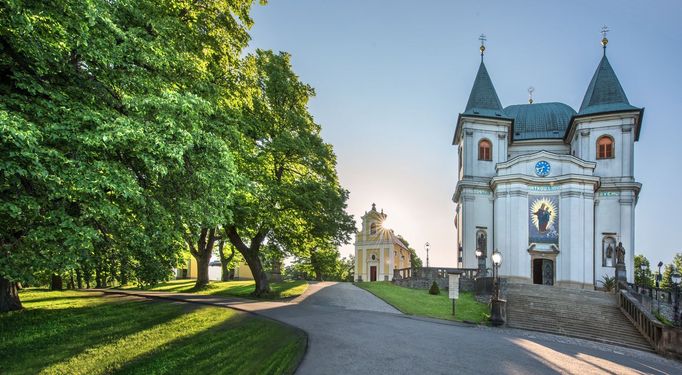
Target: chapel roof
{"type": "Point", "coordinates": [540, 120]}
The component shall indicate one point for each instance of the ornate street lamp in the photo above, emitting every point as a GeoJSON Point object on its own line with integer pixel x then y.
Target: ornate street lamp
{"type": "Point", "coordinates": [427, 254]}
{"type": "Point", "coordinates": [498, 313]}
{"type": "Point", "coordinates": [676, 309]}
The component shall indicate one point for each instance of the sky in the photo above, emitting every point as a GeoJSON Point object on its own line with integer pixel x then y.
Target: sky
{"type": "Point", "coordinates": [392, 76]}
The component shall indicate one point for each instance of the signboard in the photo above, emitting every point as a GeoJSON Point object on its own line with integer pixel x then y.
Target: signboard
{"type": "Point", "coordinates": [453, 285]}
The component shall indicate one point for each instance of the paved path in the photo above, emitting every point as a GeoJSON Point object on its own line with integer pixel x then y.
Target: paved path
{"type": "Point", "coordinates": [344, 339]}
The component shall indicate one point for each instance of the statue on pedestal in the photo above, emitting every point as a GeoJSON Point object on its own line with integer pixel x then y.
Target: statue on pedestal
{"type": "Point", "coordinates": [620, 253]}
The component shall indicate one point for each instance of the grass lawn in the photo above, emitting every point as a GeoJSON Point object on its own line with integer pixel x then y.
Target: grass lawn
{"type": "Point", "coordinates": [87, 333]}
{"type": "Point", "coordinates": [241, 288]}
{"type": "Point", "coordinates": [420, 302]}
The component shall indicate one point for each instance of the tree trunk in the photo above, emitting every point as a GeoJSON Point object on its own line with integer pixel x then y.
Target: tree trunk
{"type": "Point", "coordinates": [225, 261]}
{"type": "Point", "coordinates": [124, 271]}
{"type": "Point", "coordinates": [250, 254]}
{"type": "Point", "coordinates": [259, 275]}
{"type": "Point", "coordinates": [202, 253]}
{"type": "Point", "coordinates": [56, 282]}
{"type": "Point", "coordinates": [72, 282]}
{"type": "Point", "coordinates": [79, 278]}
{"type": "Point", "coordinates": [9, 296]}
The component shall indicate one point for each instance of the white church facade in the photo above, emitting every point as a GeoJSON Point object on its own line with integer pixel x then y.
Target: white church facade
{"type": "Point", "coordinates": [553, 190]}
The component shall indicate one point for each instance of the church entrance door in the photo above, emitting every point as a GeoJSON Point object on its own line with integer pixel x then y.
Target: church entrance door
{"type": "Point", "coordinates": [373, 273]}
{"type": "Point", "coordinates": [543, 271]}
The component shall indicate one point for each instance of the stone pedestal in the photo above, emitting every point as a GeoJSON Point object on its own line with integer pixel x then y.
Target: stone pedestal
{"type": "Point", "coordinates": [498, 312]}
{"type": "Point", "coordinates": [621, 276]}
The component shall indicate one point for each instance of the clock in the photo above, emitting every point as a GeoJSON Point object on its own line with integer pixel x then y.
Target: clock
{"type": "Point", "coordinates": [542, 168]}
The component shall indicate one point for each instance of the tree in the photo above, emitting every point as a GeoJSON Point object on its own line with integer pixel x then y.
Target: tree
{"type": "Point", "coordinates": [676, 265]}
{"type": "Point", "coordinates": [643, 277]}
{"type": "Point", "coordinates": [415, 261]}
{"type": "Point", "coordinates": [108, 107]}
{"type": "Point", "coordinates": [290, 194]}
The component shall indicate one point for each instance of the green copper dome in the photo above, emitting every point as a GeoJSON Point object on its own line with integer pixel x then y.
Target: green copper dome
{"type": "Point", "coordinates": [540, 120]}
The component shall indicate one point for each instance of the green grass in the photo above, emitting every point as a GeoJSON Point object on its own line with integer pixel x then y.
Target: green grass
{"type": "Point", "coordinates": [242, 288]}
{"type": "Point", "coordinates": [419, 302]}
{"type": "Point", "coordinates": [87, 333]}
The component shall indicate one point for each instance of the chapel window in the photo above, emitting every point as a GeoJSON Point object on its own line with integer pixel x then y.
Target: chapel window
{"type": "Point", "coordinates": [484, 150]}
{"type": "Point", "coordinates": [605, 147]}
{"type": "Point", "coordinates": [373, 228]}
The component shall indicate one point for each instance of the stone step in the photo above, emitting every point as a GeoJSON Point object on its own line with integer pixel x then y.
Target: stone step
{"type": "Point", "coordinates": [631, 342]}
{"type": "Point", "coordinates": [586, 314]}
{"type": "Point", "coordinates": [611, 329]}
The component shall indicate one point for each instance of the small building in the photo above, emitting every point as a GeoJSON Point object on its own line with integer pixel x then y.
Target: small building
{"type": "Point", "coordinates": [189, 270]}
{"type": "Point", "coordinates": [378, 251]}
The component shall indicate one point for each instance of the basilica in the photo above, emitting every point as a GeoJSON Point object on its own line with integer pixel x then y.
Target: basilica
{"type": "Point", "coordinates": [552, 189]}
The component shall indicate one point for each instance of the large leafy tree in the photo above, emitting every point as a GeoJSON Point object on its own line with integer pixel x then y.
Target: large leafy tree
{"type": "Point", "coordinates": [290, 197]}
{"type": "Point", "coordinates": [108, 108]}
{"type": "Point", "coordinates": [643, 277]}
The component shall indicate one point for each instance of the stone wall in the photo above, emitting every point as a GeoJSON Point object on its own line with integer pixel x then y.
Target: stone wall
{"type": "Point", "coordinates": [423, 278]}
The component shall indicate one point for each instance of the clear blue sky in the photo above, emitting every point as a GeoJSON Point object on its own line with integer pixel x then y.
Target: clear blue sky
{"type": "Point", "coordinates": [391, 77]}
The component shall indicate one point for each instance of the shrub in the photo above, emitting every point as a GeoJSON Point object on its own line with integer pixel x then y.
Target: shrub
{"type": "Point", "coordinates": [609, 282]}
{"type": "Point", "coordinates": [434, 289]}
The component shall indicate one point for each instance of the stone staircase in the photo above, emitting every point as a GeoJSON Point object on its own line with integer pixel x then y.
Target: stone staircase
{"type": "Point", "coordinates": [584, 314]}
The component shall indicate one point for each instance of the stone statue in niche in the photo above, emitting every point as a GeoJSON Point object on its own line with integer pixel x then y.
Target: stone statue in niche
{"type": "Point", "coordinates": [482, 243]}
{"type": "Point", "coordinates": [620, 253]}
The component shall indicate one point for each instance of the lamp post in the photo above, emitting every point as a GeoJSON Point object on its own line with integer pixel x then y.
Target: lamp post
{"type": "Point", "coordinates": [498, 313]}
{"type": "Point", "coordinates": [427, 254]}
{"type": "Point", "coordinates": [659, 277]}
{"type": "Point", "coordinates": [676, 308]}
{"type": "Point", "coordinates": [481, 265]}
{"type": "Point", "coordinates": [642, 269]}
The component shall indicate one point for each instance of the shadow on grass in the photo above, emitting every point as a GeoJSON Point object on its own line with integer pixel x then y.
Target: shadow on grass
{"type": "Point", "coordinates": [245, 345]}
{"type": "Point", "coordinates": [58, 334]}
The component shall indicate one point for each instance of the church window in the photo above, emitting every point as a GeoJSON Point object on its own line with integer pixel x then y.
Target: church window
{"type": "Point", "coordinates": [484, 150]}
{"type": "Point", "coordinates": [373, 228]}
{"type": "Point", "coordinates": [605, 147]}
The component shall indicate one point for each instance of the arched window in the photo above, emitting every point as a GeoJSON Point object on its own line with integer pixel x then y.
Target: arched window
{"type": "Point", "coordinates": [605, 147]}
{"type": "Point", "coordinates": [373, 228]}
{"type": "Point", "coordinates": [485, 150]}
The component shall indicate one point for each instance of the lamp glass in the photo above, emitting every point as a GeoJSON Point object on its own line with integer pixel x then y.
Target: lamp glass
{"type": "Point", "coordinates": [497, 258]}
{"type": "Point", "coordinates": [676, 277]}
{"type": "Point", "coordinates": [642, 266]}
{"type": "Point", "coordinates": [478, 253]}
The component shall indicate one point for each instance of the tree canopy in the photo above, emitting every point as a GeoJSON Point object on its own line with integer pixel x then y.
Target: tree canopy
{"type": "Point", "coordinates": [133, 130]}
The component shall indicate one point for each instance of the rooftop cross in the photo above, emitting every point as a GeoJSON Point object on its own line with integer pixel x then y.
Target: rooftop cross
{"type": "Point", "coordinates": [604, 40]}
{"type": "Point", "coordinates": [482, 38]}
{"type": "Point", "coordinates": [530, 94]}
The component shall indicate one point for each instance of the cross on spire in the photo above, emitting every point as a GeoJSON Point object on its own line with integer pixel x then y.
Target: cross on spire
{"type": "Point", "coordinates": [482, 38]}
{"type": "Point", "coordinates": [604, 41]}
{"type": "Point", "coordinates": [530, 94]}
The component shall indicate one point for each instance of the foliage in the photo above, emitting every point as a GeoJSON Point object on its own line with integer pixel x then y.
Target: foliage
{"type": "Point", "coordinates": [415, 261]}
{"type": "Point", "coordinates": [116, 126]}
{"type": "Point", "coordinates": [235, 288]}
{"type": "Point", "coordinates": [608, 282]}
{"type": "Point", "coordinates": [434, 289]}
{"type": "Point", "coordinates": [676, 265]}
{"type": "Point", "coordinates": [322, 265]}
{"type": "Point", "coordinates": [419, 302]}
{"type": "Point", "coordinates": [83, 333]}
{"type": "Point", "coordinates": [643, 277]}
{"type": "Point", "coordinates": [290, 198]}
{"type": "Point", "coordinates": [662, 318]}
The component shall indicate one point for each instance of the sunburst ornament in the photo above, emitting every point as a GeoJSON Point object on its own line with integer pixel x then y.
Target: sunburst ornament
{"type": "Point", "coordinates": [543, 214]}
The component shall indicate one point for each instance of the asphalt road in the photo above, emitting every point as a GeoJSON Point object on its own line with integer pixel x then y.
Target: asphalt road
{"type": "Point", "coordinates": [352, 332]}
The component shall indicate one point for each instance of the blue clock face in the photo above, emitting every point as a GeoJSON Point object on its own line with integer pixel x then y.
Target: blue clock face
{"type": "Point", "coordinates": [542, 168]}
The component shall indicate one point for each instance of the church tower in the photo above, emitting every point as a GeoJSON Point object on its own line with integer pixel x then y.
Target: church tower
{"type": "Point", "coordinates": [605, 131]}
{"type": "Point", "coordinates": [481, 140]}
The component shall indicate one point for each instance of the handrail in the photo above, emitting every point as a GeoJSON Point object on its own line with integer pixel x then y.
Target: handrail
{"type": "Point", "coordinates": [645, 323]}
{"type": "Point", "coordinates": [432, 272]}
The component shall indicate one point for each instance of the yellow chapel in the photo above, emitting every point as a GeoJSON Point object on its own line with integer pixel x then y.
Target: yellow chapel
{"type": "Point", "coordinates": [378, 251]}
